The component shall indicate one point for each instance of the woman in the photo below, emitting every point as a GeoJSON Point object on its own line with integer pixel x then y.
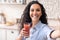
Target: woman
{"type": "Point", "coordinates": [34, 14]}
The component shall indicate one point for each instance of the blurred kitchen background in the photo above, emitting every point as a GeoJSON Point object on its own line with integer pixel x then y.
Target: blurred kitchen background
{"type": "Point", "coordinates": [11, 11]}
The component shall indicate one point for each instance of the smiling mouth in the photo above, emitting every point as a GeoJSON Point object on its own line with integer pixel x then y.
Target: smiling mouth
{"type": "Point", "coordinates": [35, 16]}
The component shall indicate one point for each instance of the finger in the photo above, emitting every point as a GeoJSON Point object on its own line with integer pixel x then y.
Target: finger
{"type": "Point", "coordinates": [24, 32]}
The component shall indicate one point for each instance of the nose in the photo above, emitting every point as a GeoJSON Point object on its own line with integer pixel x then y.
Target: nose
{"type": "Point", "coordinates": [34, 12]}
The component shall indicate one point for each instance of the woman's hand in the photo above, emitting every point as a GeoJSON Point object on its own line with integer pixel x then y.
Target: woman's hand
{"type": "Point", "coordinates": [55, 34]}
{"type": "Point", "coordinates": [23, 33]}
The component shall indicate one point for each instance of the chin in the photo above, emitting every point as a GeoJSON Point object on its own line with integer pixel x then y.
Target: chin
{"type": "Point", "coordinates": [34, 20]}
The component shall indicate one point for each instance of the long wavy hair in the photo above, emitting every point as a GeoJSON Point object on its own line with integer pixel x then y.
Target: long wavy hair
{"type": "Point", "coordinates": [26, 17]}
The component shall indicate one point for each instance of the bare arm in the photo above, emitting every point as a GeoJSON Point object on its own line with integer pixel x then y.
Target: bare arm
{"type": "Point", "coordinates": [55, 34]}
{"type": "Point", "coordinates": [19, 38]}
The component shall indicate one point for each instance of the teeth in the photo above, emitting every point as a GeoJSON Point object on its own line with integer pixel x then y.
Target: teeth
{"type": "Point", "coordinates": [34, 16]}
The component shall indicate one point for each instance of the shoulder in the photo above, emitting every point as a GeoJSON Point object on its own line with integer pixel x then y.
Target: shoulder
{"type": "Point", "coordinates": [47, 28]}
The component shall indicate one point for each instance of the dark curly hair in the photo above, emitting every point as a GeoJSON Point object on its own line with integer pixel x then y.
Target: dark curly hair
{"type": "Point", "coordinates": [26, 17]}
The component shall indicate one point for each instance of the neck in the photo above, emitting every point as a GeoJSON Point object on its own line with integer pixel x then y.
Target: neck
{"type": "Point", "coordinates": [34, 23]}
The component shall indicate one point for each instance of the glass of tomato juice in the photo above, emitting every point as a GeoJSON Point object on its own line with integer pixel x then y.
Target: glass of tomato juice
{"type": "Point", "coordinates": [27, 27]}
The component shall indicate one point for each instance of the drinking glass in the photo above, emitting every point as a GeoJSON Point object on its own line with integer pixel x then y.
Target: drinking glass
{"type": "Point", "coordinates": [27, 27]}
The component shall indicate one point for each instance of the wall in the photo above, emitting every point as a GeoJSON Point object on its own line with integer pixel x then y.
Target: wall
{"type": "Point", "coordinates": [12, 11]}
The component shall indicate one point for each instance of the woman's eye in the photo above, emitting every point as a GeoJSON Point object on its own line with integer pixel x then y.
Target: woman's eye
{"type": "Point", "coordinates": [32, 10]}
{"type": "Point", "coordinates": [37, 9]}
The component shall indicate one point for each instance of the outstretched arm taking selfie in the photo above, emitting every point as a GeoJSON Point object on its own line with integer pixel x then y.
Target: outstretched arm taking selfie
{"type": "Point", "coordinates": [55, 34]}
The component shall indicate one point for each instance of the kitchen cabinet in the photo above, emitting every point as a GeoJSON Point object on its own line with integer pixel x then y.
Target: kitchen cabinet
{"type": "Point", "coordinates": [8, 32]}
{"type": "Point", "coordinates": [12, 34]}
{"type": "Point", "coordinates": [2, 34]}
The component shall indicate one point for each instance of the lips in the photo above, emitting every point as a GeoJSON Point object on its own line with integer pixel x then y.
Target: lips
{"type": "Point", "coordinates": [35, 17]}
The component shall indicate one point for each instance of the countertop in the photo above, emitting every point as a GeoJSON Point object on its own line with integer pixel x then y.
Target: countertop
{"type": "Point", "coordinates": [3, 26]}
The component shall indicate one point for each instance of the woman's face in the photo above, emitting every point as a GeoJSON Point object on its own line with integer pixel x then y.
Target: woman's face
{"type": "Point", "coordinates": [35, 12]}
